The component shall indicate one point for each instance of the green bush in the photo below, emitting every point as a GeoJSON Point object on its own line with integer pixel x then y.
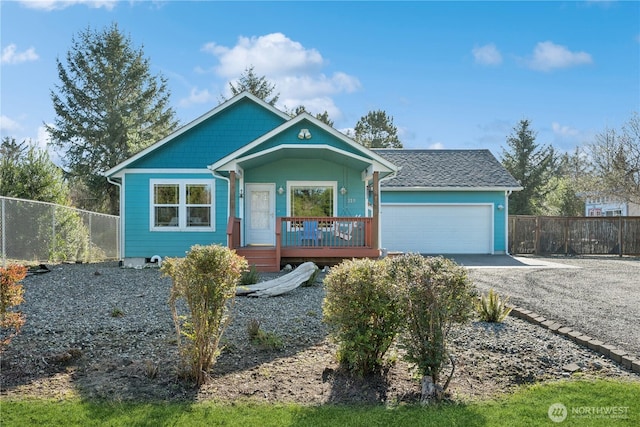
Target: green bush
{"type": "Point", "coordinates": [492, 308]}
{"type": "Point", "coordinates": [250, 276]}
{"type": "Point", "coordinates": [206, 280]}
{"type": "Point", "coordinates": [261, 338]}
{"type": "Point", "coordinates": [361, 311]}
{"type": "Point", "coordinates": [435, 294]}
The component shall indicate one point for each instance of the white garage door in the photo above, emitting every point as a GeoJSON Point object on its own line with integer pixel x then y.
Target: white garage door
{"type": "Point", "coordinates": [437, 229]}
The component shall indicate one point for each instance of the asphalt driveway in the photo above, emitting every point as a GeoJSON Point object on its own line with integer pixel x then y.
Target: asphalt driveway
{"type": "Point", "coordinates": [599, 296]}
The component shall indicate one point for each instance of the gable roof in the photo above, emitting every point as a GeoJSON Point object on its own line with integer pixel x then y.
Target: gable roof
{"type": "Point", "coordinates": [223, 106]}
{"type": "Point", "coordinates": [447, 169]}
{"type": "Point", "coordinates": [366, 155]}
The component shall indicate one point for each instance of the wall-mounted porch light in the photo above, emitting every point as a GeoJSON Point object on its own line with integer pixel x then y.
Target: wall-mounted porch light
{"type": "Point", "coordinates": [343, 191]}
{"type": "Point", "coordinates": [500, 207]}
{"type": "Point", "coordinates": [281, 190]}
{"type": "Point", "coordinates": [304, 134]}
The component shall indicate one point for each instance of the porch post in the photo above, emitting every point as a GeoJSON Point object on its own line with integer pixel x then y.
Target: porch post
{"type": "Point", "coordinates": [376, 211]}
{"type": "Point", "coordinates": [232, 194]}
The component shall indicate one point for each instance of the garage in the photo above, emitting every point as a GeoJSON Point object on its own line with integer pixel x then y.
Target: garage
{"type": "Point", "coordinates": [437, 228]}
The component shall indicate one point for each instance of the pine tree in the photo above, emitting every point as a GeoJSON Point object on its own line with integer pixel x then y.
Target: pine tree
{"type": "Point", "coordinates": [376, 130]}
{"type": "Point", "coordinates": [108, 107]}
{"type": "Point", "coordinates": [256, 85]}
{"type": "Point", "coordinates": [27, 172]}
{"type": "Point", "coordinates": [531, 165]}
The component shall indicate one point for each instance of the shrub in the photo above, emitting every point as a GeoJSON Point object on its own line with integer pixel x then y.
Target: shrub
{"type": "Point", "coordinates": [250, 276]}
{"type": "Point", "coordinates": [492, 308]}
{"type": "Point", "coordinates": [206, 280]}
{"type": "Point", "coordinates": [261, 338]}
{"type": "Point", "coordinates": [11, 295]}
{"type": "Point", "coordinates": [436, 293]}
{"type": "Point", "coordinates": [361, 311]}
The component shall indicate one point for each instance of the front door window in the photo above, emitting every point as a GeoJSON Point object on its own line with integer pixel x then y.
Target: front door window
{"type": "Point", "coordinates": [260, 214]}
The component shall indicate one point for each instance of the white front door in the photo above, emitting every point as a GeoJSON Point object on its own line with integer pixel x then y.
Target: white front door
{"type": "Point", "coordinates": [260, 214]}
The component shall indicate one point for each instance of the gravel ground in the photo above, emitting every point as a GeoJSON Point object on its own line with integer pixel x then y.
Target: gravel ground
{"type": "Point", "coordinates": [598, 296]}
{"type": "Point", "coordinates": [100, 331]}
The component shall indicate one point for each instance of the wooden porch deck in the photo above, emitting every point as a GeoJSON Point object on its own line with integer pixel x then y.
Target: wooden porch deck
{"type": "Point", "coordinates": [325, 241]}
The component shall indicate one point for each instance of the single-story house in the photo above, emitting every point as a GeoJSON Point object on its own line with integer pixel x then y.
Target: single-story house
{"type": "Point", "coordinates": [599, 205]}
{"type": "Point", "coordinates": [281, 189]}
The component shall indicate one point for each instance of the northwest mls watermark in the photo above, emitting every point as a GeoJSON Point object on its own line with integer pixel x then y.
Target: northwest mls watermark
{"type": "Point", "coordinates": [558, 412]}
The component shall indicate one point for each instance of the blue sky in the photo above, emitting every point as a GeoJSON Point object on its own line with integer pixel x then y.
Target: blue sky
{"type": "Point", "coordinates": [451, 74]}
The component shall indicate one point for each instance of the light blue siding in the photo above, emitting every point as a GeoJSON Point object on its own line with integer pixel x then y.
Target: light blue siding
{"type": "Point", "coordinates": [140, 241]}
{"type": "Point", "coordinates": [494, 197]}
{"type": "Point", "coordinates": [214, 138]}
{"type": "Point", "coordinates": [319, 137]}
{"type": "Point", "coordinates": [281, 171]}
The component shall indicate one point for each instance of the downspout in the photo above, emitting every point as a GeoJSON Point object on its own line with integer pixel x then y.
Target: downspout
{"type": "Point", "coordinates": [506, 222]}
{"type": "Point", "coordinates": [121, 231]}
{"type": "Point", "coordinates": [217, 175]}
{"type": "Point", "coordinates": [390, 176]}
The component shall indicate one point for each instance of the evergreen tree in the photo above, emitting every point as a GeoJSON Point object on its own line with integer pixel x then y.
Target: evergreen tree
{"type": "Point", "coordinates": [108, 107]}
{"type": "Point", "coordinates": [376, 130]}
{"type": "Point", "coordinates": [323, 117]}
{"type": "Point", "coordinates": [531, 165]}
{"type": "Point", "coordinates": [565, 188]}
{"type": "Point", "coordinates": [27, 172]}
{"type": "Point", "coordinates": [260, 87]}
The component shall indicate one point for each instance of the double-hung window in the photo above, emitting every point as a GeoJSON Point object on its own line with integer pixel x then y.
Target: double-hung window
{"type": "Point", "coordinates": [182, 205]}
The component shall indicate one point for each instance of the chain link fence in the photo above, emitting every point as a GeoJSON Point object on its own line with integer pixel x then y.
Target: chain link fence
{"type": "Point", "coordinates": [34, 232]}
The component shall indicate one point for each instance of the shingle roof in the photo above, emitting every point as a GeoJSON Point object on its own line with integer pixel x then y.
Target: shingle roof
{"type": "Point", "coordinates": [447, 169]}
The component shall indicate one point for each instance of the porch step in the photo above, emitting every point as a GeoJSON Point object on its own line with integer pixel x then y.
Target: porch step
{"type": "Point", "coordinates": [263, 258]}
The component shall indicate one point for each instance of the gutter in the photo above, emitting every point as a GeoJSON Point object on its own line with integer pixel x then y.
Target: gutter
{"type": "Point", "coordinates": [217, 175]}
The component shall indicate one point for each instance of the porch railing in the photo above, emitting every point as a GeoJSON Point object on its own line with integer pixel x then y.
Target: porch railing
{"type": "Point", "coordinates": [325, 232]}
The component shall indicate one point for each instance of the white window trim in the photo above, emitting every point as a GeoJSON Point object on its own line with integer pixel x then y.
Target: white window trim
{"type": "Point", "coordinates": [333, 184]}
{"type": "Point", "coordinates": [182, 206]}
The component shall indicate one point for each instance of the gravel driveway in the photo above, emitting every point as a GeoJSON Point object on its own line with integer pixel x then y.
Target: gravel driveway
{"type": "Point", "coordinates": [599, 296]}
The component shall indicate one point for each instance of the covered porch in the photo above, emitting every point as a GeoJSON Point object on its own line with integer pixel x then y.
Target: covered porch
{"type": "Point", "coordinates": [323, 240]}
{"type": "Point", "coordinates": [304, 192]}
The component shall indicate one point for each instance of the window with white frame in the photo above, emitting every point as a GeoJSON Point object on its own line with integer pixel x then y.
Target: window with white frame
{"type": "Point", "coordinates": [311, 198]}
{"type": "Point", "coordinates": [185, 204]}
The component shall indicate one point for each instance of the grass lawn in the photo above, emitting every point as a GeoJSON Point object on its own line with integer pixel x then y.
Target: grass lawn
{"type": "Point", "coordinates": [586, 403]}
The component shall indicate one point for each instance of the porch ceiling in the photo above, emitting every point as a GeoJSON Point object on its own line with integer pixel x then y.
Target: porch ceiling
{"type": "Point", "coordinates": [308, 152]}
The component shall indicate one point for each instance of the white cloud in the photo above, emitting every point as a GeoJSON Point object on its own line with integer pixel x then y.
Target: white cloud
{"type": "Point", "coordinates": [63, 4]}
{"type": "Point", "coordinates": [273, 54]}
{"type": "Point", "coordinates": [487, 55]}
{"type": "Point", "coordinates": [295, 70]}
{"type": "Point", "coordinates": [436, 146]}
{"type": "Point", "coordinates": [196, 97]}
{"type": "Point", "coordinates": [9, 125]}
{"type": "Point", "coordinates": [10, 55]}
{"type": "Point", "coordinates": [564, 131]}
{"type": "Point", "coordinates": [548, 56]}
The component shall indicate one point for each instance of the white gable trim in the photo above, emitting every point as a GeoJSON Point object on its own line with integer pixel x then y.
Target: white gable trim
{"type": "Point", "coordinates": [379, 162]}
{"type": "Point", "coordinates": [233, 164]}
{"type": "Point", "coordinates": [193, 124]}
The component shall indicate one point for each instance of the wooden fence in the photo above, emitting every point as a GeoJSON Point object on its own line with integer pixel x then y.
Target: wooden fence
{"type": "Point", "coordinates": [618, 235]}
